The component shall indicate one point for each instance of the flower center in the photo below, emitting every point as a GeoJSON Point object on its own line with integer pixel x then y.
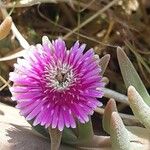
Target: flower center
{"type": "Point", "coordinates": [59, 77]}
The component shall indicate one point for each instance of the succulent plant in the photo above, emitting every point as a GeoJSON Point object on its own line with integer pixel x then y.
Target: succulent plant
{"type": "Point", "coordinates": [120, 136]}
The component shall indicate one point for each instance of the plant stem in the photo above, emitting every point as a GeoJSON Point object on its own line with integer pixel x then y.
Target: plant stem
{"type": "Point", "coordinates": [55, 136]}
{"type": "Point", "coordinates": [128, 120]}
{"type": "Point", "coordinates": [108, 93]}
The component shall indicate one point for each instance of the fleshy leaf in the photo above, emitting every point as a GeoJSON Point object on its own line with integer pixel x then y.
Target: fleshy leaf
{"type": "Point", "coordinates": [130, 75]}
{"type": "Point", "coordinates": [69, 136]}
{"type": "Point", "coordinates": [109, 109]}
{"type": "Point", "coordinates": [118, 133]}
{"type": "Point", "coordinates": [139, 137]}
{"type": "Point", "coordinates": [40, 129]}
{"type": "Point", "coordinates": [104, 62]}
{"type": "Point", "coordinates": [85, 132]}
{"type": "Point", "coordinates": [140, 109]}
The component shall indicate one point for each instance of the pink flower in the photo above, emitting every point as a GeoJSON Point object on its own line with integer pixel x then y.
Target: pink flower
{"type": "Point", "coordinates": [55, 86]}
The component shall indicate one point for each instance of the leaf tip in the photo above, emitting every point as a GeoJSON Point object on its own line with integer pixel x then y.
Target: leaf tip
{"type": "Point", "coordinates": [120, 52]}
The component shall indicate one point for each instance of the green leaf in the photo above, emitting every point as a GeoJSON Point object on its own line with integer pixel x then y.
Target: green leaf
{"type": "Point", "coordinates": [140, 109]}
{"type": "Point", "coordinates": [104, 62]}
{"type": "Point", "coordinates": [118, 133]}
{"type": "Point", "coordinates": [130, 76]}
{"type": "Point", "coordinates": [139, 137]}
{"type": "Point", "coordinates": [40, 129]}
{"type": "Point", "coordinates": [109, 109]}
{"type": "Point", "coordinates": [69, 136]}
{"type": "Point", "coordinates": [85, 132]}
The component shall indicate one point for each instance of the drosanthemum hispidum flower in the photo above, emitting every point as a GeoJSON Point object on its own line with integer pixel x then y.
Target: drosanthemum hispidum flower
{"type": "Point", "coordinates": [55, 86]}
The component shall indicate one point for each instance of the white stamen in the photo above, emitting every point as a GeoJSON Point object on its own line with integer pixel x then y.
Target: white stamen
{"type": "Point", "coordinates": [59, 77]}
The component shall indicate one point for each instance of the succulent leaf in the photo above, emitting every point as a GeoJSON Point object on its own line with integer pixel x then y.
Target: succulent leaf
{"type": "Point", "coordinates": [104, 62]}
{"type": "Point", "coordinates": [140, 109]}
{"type": "Point", "coordinates": [109, 109]}
{"type": "Point", "coordinates": [69, 136]}
{"type": "Point", "coordinates": [118, 133]}
{"type": "Point", "coordinates": [139, 138]}
{"type": "Point", "coordinates": [130, 75]}
{"type": "Point", "coordinates": [85, 132]}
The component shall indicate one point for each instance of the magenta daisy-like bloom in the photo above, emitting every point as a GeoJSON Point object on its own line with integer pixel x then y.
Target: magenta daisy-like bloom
{"type": "Point", "coordinates": [55, 86]}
